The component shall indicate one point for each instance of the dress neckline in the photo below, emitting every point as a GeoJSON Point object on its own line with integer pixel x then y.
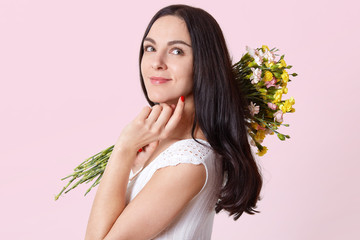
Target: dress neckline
{"type": "Point", "coordinates": [165, 150]}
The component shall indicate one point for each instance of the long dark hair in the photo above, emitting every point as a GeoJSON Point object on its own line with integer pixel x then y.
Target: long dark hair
{"type": "Point", "coordinates": [220, 109]}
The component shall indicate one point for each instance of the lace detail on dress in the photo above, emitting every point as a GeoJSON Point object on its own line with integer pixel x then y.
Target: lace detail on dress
{"type": "Point", "coordinates": [185, 151]}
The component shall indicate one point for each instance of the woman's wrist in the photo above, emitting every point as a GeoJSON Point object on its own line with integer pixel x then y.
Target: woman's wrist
{"type": "Point", "coordinates": [125, 147]}
{"type": "Point", "coordinates": [125, 150]}
{"type": "Point", "coordinates": [122, 157]}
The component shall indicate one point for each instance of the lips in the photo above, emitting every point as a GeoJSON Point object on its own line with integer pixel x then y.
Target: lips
{"type": "Point", "coordinates": [159, 80]}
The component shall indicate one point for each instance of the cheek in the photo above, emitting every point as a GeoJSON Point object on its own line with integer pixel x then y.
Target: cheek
{"type": "Point", "coordinates": [188, 73]}
{"type": "Point", "coordinates": [190, 68]}
{"type": "Point", "coordinates": [185, 77]}
{"type": "Point", "coordinates": [183, 69]}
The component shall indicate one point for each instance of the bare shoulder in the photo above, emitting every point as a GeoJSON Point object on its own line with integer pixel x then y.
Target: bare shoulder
{"type": "Point", "coordinates": [189, 176]}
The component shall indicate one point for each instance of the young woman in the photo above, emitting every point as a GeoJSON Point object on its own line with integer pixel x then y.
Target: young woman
{"type": "Point", "coordinates": [190, 149]}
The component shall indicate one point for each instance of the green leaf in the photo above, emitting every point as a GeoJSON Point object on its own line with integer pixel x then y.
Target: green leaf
{"type": "Point", "coordinates": [277, 75]}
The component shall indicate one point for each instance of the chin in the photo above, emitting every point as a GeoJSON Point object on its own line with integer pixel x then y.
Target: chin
{"type": "Point", "coordinates": [163, 99]}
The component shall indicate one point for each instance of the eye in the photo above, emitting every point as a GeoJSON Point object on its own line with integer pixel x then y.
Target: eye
{"type": "Point", "coordinates": [177, 51]}
{"type": "Point", "coordinates": [149, 48]}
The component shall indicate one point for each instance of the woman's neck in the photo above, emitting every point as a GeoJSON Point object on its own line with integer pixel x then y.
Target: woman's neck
{"type": "Point", "coordinates": [183, 130]}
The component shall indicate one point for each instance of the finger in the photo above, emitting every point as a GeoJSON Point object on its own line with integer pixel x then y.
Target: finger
{"type": "Point", "coordinates": [164, 116]}
{"type": "Point", "coordinates": [151, 147]}
{"type": "Point", "coordinates": [144, 113]}
{"type": "Point", "coordinates": [176, 116]}
{"type": "Point", "coordinates": [154, 114]}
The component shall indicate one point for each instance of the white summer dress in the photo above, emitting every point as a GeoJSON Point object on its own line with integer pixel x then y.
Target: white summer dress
{"type": "Point", "coordinates": [196, 220]}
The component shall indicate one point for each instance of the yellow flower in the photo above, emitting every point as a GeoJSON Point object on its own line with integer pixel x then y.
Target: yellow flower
{"type": "Point", "coordinates": [282, 108]}
{"type": "Point", "coordinates": [283, 63]}
{"type": "Point", "coordinates": [260, 135]}
{"type": "Point", "coordinates": [269, 64]}
{"type": "Point", "coordinates": [292, 100]}
{"type": "Point", "coordinates": [254, 125]}
{"type": "Point", "coordinates": [285, 90]}
{"type": "Point", "coordinates": [262, 152]}
{"type": "Point", "coordinates": [287, 106]}
{"type": "Point", "coordinates": [268, 76]}
{"type": "Point", "coordinates": [285, 76]}
{"type": "Point", "coordinates": [264, 48]}
{"type": "Point", "coordinates": [277, 96]}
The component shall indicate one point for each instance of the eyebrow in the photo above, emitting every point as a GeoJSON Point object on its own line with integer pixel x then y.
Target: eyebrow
{"type": "Point", "coordinates": [169, 43]}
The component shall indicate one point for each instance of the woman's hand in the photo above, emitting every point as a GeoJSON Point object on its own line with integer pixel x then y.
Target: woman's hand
{"type": "Point", "coordinates": [151, 125]}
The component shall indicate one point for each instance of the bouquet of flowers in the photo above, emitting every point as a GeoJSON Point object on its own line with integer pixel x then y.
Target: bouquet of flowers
{"type": "Point", "coordinates": [261, 78]}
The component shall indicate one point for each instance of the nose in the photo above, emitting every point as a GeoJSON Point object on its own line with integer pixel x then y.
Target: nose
{"type": "Point", "coordinates": [159, 62]}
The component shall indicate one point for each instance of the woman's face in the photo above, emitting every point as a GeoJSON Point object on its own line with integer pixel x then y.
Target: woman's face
{"type": "Point", "coordinates": [167, 63]}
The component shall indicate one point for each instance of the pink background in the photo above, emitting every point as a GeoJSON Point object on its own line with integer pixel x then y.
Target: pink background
{"type": "Point", "coordinates": [69, 83]}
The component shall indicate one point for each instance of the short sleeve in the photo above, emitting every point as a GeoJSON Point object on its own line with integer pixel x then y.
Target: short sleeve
{"type": "Point", "coordinates": [184, 152]}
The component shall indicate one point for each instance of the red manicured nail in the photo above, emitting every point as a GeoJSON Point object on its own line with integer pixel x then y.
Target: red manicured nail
{"type": "Point", "coordinates": [140, 150]}
{"type": "Point", "coordinates": [183, 98]}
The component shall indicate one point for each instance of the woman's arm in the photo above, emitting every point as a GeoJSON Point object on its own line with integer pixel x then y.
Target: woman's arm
{"type": "Point", "coordinates": [149, 126]}
{"type": "Point", "coordinates": [165, 195]}
{"type": "Point", "coordinates": [110, 199]}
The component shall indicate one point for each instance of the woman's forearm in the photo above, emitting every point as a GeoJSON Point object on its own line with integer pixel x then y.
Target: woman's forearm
{"type": "Point", "coordinates": [151, 125]}
{"type": "Point", "coordinates": [110, 198]}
